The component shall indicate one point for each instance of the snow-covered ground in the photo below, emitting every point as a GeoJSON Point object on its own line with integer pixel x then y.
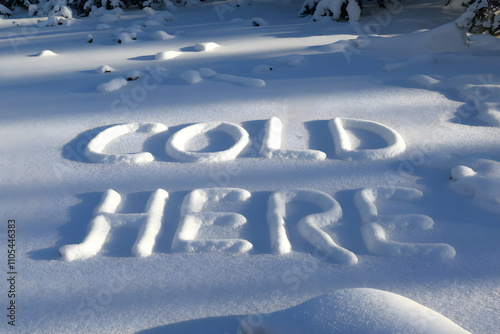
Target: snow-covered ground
{"type": "Point", "coordinates": [220, 168]}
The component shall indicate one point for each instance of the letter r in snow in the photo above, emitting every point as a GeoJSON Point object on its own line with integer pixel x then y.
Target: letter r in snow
{"type": "Point", "coordinates": [310, 227]}
{"type": "Point", "coordinates": [106, 218]}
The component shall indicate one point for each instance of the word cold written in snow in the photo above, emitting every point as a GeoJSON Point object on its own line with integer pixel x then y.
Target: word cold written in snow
{"type": "Point", "coordinates": [270, 146]}
{"type": "Point", "coordinates": [194, 216]}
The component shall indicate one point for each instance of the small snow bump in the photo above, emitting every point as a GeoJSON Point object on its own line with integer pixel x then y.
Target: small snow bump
{"type": "Point", "coordinates": [160, 35]}
{"type": "Point", "coordinates": [423, 80]}
{"type": "Point", "coordinates": [165, 55]}
{"type": "Point", "coordinates": [134, 29]}
{"type": "Point", "coordinates": [52, 21]}
{"type": "Point", "coordinates": [460, 172]}
{"type": "Point", "coordinates": [206, 46]}
{"type": "Point", "coordinates": [112, 85]}
{"type": "Point", "coordinates": [46, 53]}
{"type": "Point", "coordinates": [125, 38]}
{"type": "Point", "coordinates": [104, 69]}
{"type": "Point", "coordinates": [65, 12]}
{"type": "Point", "coordinates": [133, 75]}
{"type": "Point", "coordinates": [206, 72]}
{"type": "Point", "coordinates": [258, 22]}
{"type": "Point", "coordinates": [191, 77]}
{"type": "Point", "coordinates": [148, 11]}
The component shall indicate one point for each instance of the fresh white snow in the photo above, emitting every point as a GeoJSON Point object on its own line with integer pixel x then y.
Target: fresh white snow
{"type": "Point", "coordinates": [301, 176]}
{"type": "Point", "coordinates": [359, 310]}
{"type": "Point", "coordinates": [112, 85]}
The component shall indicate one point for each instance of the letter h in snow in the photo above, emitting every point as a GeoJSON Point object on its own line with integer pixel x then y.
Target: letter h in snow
{"type": "Point", "coordinates": [107, 218]}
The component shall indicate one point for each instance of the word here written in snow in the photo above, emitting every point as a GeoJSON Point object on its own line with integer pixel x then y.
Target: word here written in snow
{"type": "Point", "coordinates": [270, 146]}
{"type": "Point", "coordinates": [194, 216]}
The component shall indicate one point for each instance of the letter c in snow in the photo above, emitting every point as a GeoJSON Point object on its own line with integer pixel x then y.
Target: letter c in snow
{"type": "Point", "coordinates": [95, 148]}
{"type": "Point", "coordinates": [176, 145]}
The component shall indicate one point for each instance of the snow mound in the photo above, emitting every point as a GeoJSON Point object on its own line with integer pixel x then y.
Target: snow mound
{"type": "Point", "coordinates": [375, 225]}
{"type": "Point", "coordinates": [133, 75]}
{"type": "Point", "coordinates": [46, 53]}
{"type": "Point", "coordinates": [165, 55]}
{"type": "Point", "coordinates": [191, 77]}
{"type": "Point", "coordinates": [250, 82]}
{"type": "Point", "coordinates": [192, 219]}
{"type": "Point", "coordinates": [148, 11]}
{"type": "Point", "coordinates": [445, 38]}
{"type": "Point", "coordinates": [262, 68]}
{"type": "Point", "coordinates": [125, 37]}
{"type": "Point", "coordinates": [176, 145]}
{"type": "Point", "coordinates": [361, 310]}
{"type": "Point", "coordinates": [257, 22]}
{"type": "Point", "coordinates": [271, 145]}
{"type": "Point", "coordinates": [486, 99]}
{"type": "Point", "coordinates": [134, 29]}
{"type": "Point", "coordinates": [95, 148]}
{"type": "Point", "coordinates": [423, 80]}
{"type": "Point", "coordinates": [102, 26]}
{"type": "Point", "coordinates": [65, 12]}
{"type": "Point", "coordinates": [160, 35]}
{"type": "Point", "coordinates": [109, 18]}
{"type": "Point", "coordinates": [210, 46]}
{"type": "Point", "coordinates": [104, 69]}
{"type": "Point", "coordinates": [51, 21]}
{"type": "Point", "coordinates": [482, 184]}
{"type": "Point", "coordinates": [343, 147]}
{"type": "Point", "coordinates": [207, 72]}
{"type": "Point", "coordinates": [112, 85]}
{"type": "Point", "coordinates": [310, 227]}
{"type": "Point", "coordinates": [489, 112]}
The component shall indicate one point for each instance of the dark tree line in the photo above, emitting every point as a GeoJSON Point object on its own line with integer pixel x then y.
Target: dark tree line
{"type": "Point", "coordinates": [481, 16]}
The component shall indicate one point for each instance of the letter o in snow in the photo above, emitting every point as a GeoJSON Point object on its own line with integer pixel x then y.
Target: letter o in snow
{"type": "Point", "coordinates": [176, 145]}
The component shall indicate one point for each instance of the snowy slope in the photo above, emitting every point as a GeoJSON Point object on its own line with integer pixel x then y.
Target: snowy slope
{"type": "Point", "coordinates": [322, 140]}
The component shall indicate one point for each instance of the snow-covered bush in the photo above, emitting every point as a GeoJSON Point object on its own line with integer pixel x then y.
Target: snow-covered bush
{"type": "Point", "coordinates": [336, 9]}
{"type": "Point", "coordinates": [64, 7]}
{"type": "Point", "coordinates": [482, 16]}
{"type": "Point", "coordinates": [5, 11]}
